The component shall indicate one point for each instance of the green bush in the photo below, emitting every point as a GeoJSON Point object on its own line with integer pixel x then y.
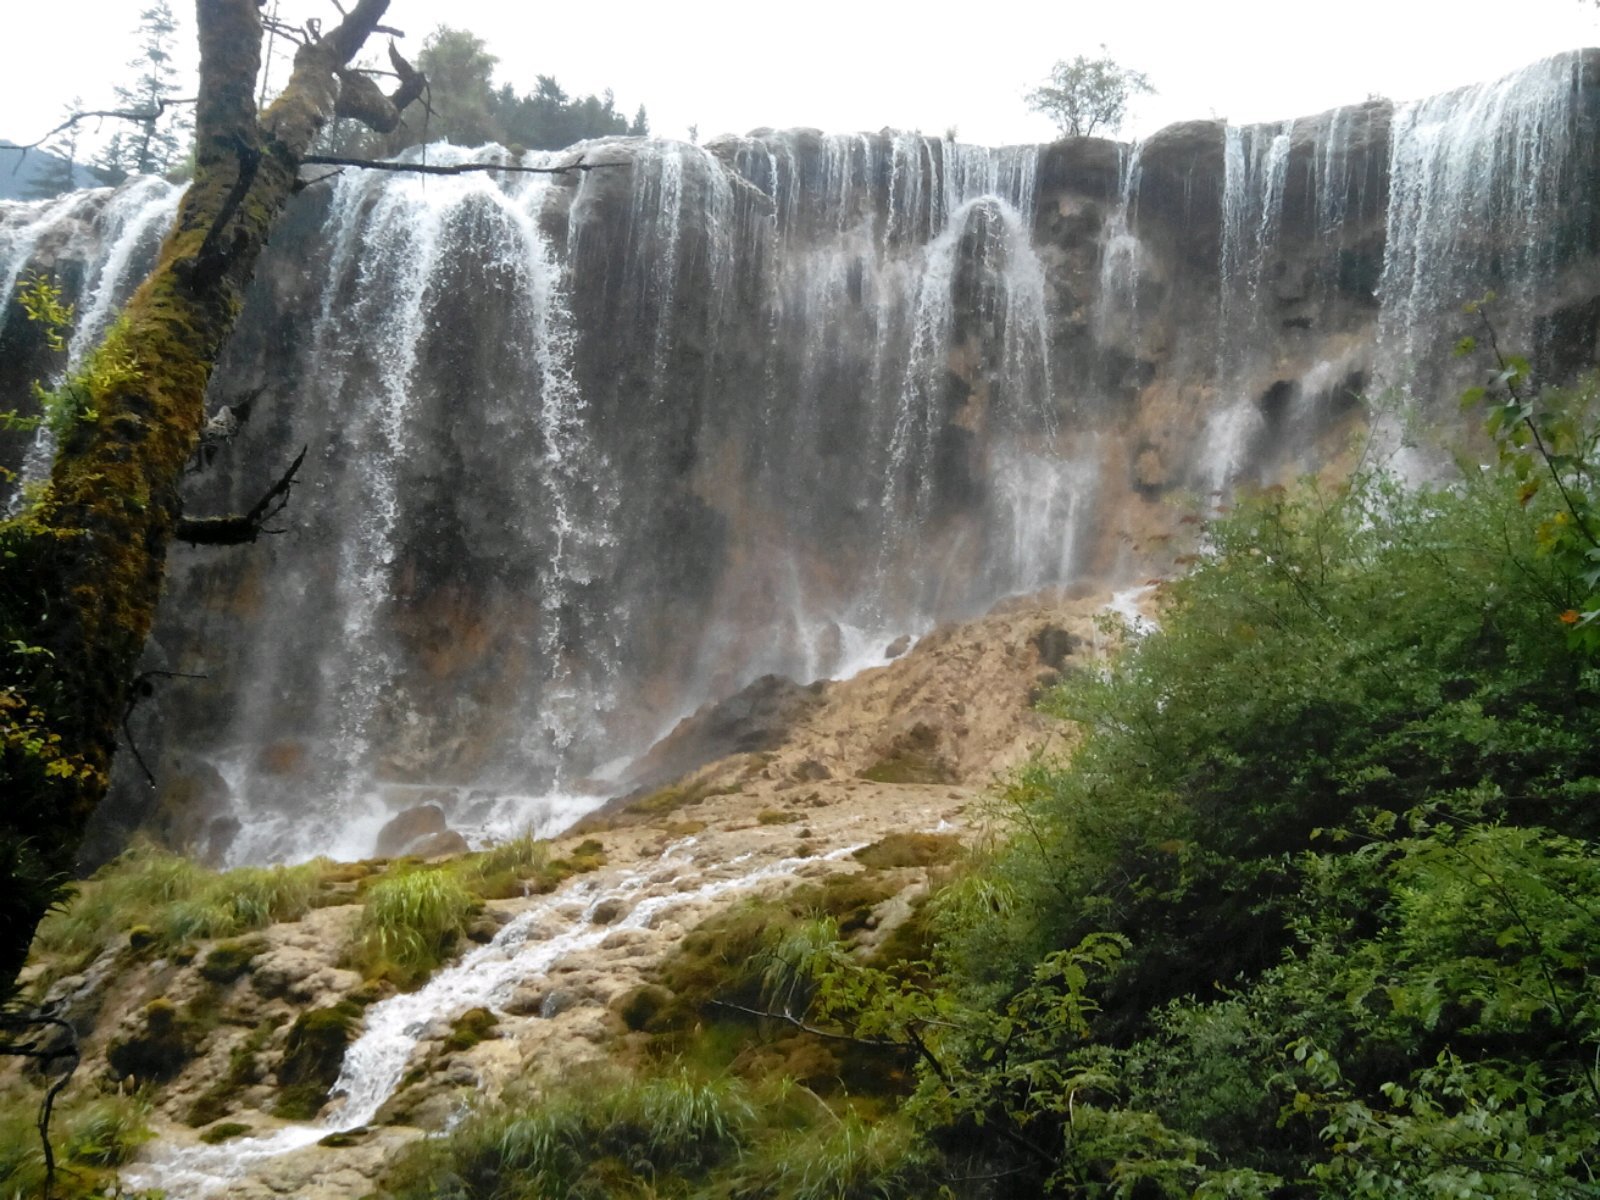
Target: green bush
{"type": "Point", "coordinates": [1337, 655]}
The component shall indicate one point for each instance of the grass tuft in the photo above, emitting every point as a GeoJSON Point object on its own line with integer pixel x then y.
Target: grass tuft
{"type": "Point", "coordinates": [410, 924]}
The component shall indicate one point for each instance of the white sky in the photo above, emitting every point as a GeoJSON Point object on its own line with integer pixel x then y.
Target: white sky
{"type": "Point", "coordinates": [848, 65]}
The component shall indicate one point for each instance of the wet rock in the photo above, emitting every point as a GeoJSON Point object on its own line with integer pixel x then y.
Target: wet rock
{"type": "Point", "coordinates": [607, 911]}
{"type": "Point", "coordinates": [1055, 645]}
{"type": "Point", "coordinates": [312, 1057]}
{"type": "Point", "coordinates": [557, 1001]}
{"type": "Point", "coordinates": [649, 1008]}
{"type": "Point", "coordinates": [898, 647]}
{"type": "Point", "coordinates": [911, 757]}
{"type": "Point", "coordinates": [410, 828]}
{"type": "Point", "coordinates": [154, 1046]}
{"type": "Point", "coordinates": [758, 717]}
{"type": "Point", "coordinates": [439, 845]}
{"type": "Point", "coordinates": [810, 771]}
{"type": "Point", "coordinates": [286, 757]}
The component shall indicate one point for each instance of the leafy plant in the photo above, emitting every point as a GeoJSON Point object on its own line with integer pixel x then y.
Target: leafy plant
{"type": "Point", "coordinates": [1548, 439]}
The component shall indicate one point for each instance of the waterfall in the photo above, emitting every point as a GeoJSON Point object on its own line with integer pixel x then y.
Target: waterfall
{"type": "Point", "coordinates": [586, 452]}
{"type": "Point", "coordinates": [1478, 181]}
{"type": "Point", "coordinates": [120, 236]}
{"type": "Point", "coordinates": [1118, 295]}
{"type": "Point", "coordinates": [1256, 161]}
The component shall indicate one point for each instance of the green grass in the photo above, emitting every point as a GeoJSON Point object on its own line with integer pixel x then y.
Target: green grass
{"type": "Point", "coordinates": [411, 923]}
{"type": "Point", "coordinates": [608, 1138]}
{"type": "Point", "coordinates": [672, 1134]}
{"type": "Point", "coordinates": [160, 900]}
{"type": "Point", "coordinates": [91, 1135]}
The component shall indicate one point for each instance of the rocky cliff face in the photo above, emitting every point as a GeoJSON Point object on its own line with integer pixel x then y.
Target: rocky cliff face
{"type": "Point", "coordinates": [589, 451]}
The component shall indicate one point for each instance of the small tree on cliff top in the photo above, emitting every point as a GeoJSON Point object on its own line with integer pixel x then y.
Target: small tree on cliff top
{"type": "Point", "coordinates": [1088, 94]}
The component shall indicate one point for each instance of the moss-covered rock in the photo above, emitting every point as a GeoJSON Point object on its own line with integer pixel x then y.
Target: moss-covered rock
{"type": "Point", "coordinates": [649, 1008]}
{"type": "Point", "coordinates": [910, 850]}
{"type": "Point", "coordinates": [157, 1048]}
{"type": "Point", "coordinates": [471, 1027]}
{"type": "Point", "coordinates": [912, 757]}
{"type": "Point", "coordinates": [312, 1057]}
{"type": "Point", "coordinates": [226, 1131]}
{"type": "Point", "coordinates": [230, 959]}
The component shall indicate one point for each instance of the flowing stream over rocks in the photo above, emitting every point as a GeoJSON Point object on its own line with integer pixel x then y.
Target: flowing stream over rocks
{"type": "Point", "coordinates": [589, 451]}
{"type": "Point", "coordinates": [532, 942]}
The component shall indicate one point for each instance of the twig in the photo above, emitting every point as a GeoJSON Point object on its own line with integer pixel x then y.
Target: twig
{"type": "Point", "coordinates": [142, 689]}
{"type": "Point", "coordinates": [1538, 441]}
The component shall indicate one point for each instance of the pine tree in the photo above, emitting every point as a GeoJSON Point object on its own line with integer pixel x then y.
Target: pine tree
{"type": "Point", "coordinates": [159, 143]}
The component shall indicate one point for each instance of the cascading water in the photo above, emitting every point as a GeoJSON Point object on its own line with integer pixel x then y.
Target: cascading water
{"type": "Point", "coordinates": [586, 452]}
{"type": "Point", "coordinates": [525, 949]}
{"type": "Point", "coordinates": [1256, 164]}
{"type": "Point", "coordinates": [1118, 296]}
{"type": "Point", "coordinates": [120, 237]}
{"type": "Point", "coordinates": [1469, 213]}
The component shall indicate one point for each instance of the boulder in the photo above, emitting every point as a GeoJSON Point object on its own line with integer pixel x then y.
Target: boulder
{"type": "Point", "coordinates": [410, 829]}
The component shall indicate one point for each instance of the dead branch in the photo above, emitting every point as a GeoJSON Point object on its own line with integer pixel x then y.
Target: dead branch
{"type": "Point", "coordinates": [805, 1027]}
{"type": "Point", "coordinates": [363, 100]}
{"type": "Point", "coordinates": [47, 1055]}
{"type": "Point", "coordinates": [240, 529]}
{"type": "Point", "coordinates": [331, 160]}
{"type": "Point", "coordinates": [142, 689]}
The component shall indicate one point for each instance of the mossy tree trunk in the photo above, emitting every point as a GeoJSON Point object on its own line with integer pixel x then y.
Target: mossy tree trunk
{"type": "Point", "coordinates": [81, 570]}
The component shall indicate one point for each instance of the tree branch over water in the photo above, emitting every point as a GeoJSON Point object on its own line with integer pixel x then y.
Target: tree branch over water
{"type": "Point", "coordinates": [370, 164]}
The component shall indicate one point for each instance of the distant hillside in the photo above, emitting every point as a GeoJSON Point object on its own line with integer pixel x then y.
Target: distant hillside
{"type": "Point", "coordinates": [22, 176]}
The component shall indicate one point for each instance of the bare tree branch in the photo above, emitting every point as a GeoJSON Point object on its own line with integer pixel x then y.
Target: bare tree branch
{"type": "Point", "coordinates": [123, 114]}
{"type": "Point", "coordinates": [46, 1054]}
{"type": "Point", "coordinates": [331, 160]}
{"type": "Point", "coordinates": [238, 530]}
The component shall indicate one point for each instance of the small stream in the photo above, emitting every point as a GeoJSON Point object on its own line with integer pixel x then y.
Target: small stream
{"type": "Point", "coordinates": [486, 977]}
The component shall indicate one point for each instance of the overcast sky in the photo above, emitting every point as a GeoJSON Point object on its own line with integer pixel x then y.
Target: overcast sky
{"type": "Point", "coordinates": [848, 65]}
